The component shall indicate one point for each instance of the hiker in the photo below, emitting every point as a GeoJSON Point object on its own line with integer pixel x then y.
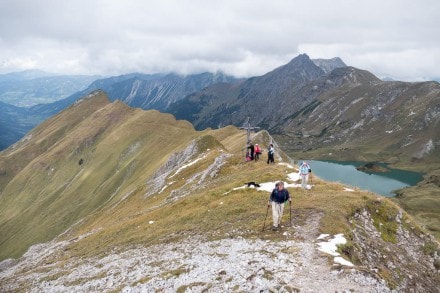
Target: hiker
{"type": "Point", "coordinates": [270, 154]}
{"type": "Point", "coordinates": [248, 156]}
{"type": "Point", "coordinates": [277, 198]}
{"type": "Point", "coordinates": [252, 150]}
{"type": "Point", "coordinates": [304, 171]}
{"type": "Point", "coordinates": [257, 152]}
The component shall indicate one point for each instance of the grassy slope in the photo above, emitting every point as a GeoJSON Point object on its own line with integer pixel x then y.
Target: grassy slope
{"type": "Point", "coordinates": [121, 148]}
{"type": "Point", "coordinates": [401, 148]}
{"type": "Point", "coordinates": [52, 190]}
{"type": "Point", "coordinates": [215, 210]}
{"type": "Point", "coordinates": [423, 202]}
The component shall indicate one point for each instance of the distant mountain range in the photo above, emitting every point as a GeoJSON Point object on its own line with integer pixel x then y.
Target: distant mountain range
{"type": "Point", "coordinates": [156, 91]}
{"type": "Point", "coordinates": [32, 87]}
{"type": "Point", "coordinates": [266, 99]}
{"type": "Point", "coordinates": [346, 113]}
{"type": "Point", "coordinates": [320, 106]}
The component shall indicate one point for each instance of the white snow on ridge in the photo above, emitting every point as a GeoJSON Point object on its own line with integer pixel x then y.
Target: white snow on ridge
{"type": "Point", "coordinates": [269, 186]}
{"type": "Point", "coordinates": [293, 176]}
{"type": "Point", "coordinates": [341, 261]}
{"type": "Point", "coordinates": [187, 165]}
{"type": "Point", "coordinates": [330, 247]}
{"type": "Point", "coordinates": [286, 164]}
{"type": "Point", "coordinates": [322, 236]}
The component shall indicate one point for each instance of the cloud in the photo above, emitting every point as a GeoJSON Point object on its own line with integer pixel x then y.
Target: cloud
{"type": "Point", "coordinates": [242, 38]}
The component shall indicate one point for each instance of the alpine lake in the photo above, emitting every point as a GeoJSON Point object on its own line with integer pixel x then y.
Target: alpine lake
{"type": "Point", "coordinates": [383, 183]}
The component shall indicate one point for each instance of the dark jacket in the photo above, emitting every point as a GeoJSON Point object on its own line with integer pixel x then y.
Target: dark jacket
{"type": "Point", "coordinates": [279, 196]}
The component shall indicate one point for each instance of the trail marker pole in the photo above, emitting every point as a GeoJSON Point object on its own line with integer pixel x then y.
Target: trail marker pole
{"type": "Point", "coordinates": [267, 211]}
{"type": "Point", "coordinates": [248, 131]}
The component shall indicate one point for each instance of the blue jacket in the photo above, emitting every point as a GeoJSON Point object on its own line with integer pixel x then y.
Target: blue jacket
{"type": "Point", "coordinates": [279, 196]}
{"type": "Point", "coordinates": [304, 169]}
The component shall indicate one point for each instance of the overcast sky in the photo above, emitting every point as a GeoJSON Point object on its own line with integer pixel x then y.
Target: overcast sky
{"type": "Point", "coordinates": [394, 38]}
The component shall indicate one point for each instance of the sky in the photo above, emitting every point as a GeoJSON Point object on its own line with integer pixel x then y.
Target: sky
{"type": "Point", "coordinates": [390, 38]}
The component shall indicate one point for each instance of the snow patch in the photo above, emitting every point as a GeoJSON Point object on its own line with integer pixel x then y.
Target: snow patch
{"type": "Point", "coordinates": [348, 189]}
{"type": "Point", "coordinates": [341, 261]}
{"type": "Point", "coordinates": [425, 149]}
{"type": "Point", "coordinates": [269, 186]}
{"type": "Point", "coordinates": [293, 176]}
{"type": "Point", "coordinates": [286, 164]}
{"type": "Point", "coordinates": [322, 236]}
{"type": "Point", "coordinates": [187, 165]}
{"type": "Point", "coordinates": [358, 124]}
{"type": "Point", "coordinates": [357, 100]}
{"type": "Point", "coordinates": [330, 247]}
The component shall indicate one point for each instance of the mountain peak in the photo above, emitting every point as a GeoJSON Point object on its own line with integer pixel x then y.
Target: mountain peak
{"type": "Point", "coordinates": [329, 65]}
{"type": "Point", "coordinates": [302, 58]}
{"type": "Point", "coordinates": [300, 68]}
{"type": "Point", "coordinates": [354, 75]}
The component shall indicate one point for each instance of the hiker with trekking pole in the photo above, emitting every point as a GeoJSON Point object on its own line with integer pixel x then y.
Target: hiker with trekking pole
{"type": "Point", "coordinates": [277, 199]}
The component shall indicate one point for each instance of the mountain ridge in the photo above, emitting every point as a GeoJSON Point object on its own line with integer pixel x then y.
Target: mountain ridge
{"type": "Point", "coordinates": [281, 110]}
{"type": "Point", "coordinates": [102, 190]}
{"type": "Point", "coordinates": [148, 91]}
{"type": "Point", "coordinates": [255, 95]}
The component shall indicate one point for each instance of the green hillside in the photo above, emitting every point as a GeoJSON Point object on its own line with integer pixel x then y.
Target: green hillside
{"type": "Point", "coordinates": [73, 163]}
{"type": "Point", "coordinates": [104, 177]}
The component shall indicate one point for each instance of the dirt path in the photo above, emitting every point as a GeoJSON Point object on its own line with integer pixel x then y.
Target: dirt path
{"type": "Point", "coordinates": [195, 265]}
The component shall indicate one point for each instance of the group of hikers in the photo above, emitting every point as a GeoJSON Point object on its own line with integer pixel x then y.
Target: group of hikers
{"type": "Point", "coordinates": [254, 152]}
{"type": "Point", "coordinates": [279, 195]}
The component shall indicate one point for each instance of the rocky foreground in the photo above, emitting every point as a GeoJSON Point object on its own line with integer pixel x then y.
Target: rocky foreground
{"type": "Point", "coordinates": [194, 265]}
{"type": "Point", "coordinates": [197, 264]}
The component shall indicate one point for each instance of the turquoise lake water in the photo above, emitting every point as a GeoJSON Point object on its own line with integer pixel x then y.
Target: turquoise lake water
{"type": "Point", "coordinates": [383, 183]}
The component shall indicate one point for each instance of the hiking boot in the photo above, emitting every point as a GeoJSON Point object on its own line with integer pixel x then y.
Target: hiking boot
{"type": "Point", "coordinates": [274, 228]}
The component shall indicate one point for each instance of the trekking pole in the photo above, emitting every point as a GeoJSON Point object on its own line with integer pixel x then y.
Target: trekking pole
{"type": "Point", "coordinates": [267, 211]}
{"type": "Point", "coordinates": [290, 214]}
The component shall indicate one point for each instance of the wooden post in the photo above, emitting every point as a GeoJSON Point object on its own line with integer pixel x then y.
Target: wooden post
{"type": "Point", "coordinates": [248, 128]}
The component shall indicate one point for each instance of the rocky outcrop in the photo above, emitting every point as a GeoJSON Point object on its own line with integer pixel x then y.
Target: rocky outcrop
{"type": "Point", "coordinates": [329, 65]}
{"type": "Point", "coordinates": [397, 250]}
